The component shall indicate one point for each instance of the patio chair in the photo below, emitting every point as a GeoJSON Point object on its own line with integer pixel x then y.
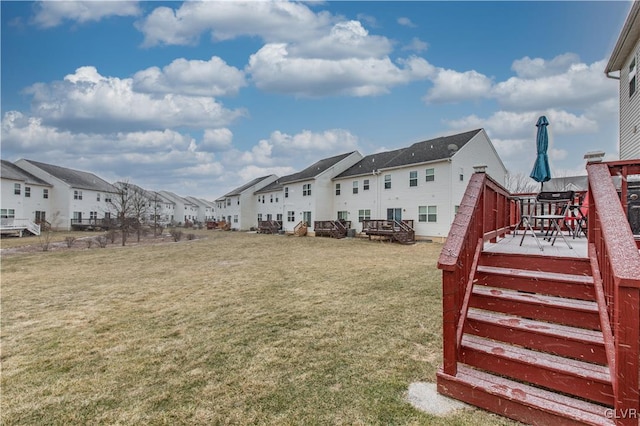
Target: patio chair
{"type": "Point", "coordinates": [553, 209]}
{"type": "Point", "coordinates": [576, 217]}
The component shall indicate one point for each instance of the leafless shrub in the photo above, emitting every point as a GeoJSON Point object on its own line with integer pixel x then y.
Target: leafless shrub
{"type": "Point", "coordinates": [191, 237]}
{"type": "Point", "coordinates": [90, 242]}
{"type": "Point", "coordinates": [112, 234]}
{"type": "Point", "coordinates": [176, 234]}
{"type": "Point", "coordinates": [69, 241]}
{"type": "Point", "coordinates": [102, 241]}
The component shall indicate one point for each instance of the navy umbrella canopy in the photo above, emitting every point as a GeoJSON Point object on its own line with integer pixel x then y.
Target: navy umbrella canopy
{"type": "Point", "coordinates": [541, 171]}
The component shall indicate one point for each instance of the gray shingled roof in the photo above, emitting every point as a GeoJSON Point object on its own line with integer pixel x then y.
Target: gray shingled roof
{"type": "Point", "coordinates": [431, 150]}
{"type": "Point", "coordinates": [315, 169]}
{"type": "Point", "coordinates": [244, 187]}
{"type": "Point", "coordinates": [8, 170]}
{"type": "Point", "coordinates": [273, 186]}
{"type": "Point", "coordinates": [76, 178]}
{"type": "Point", "coordinates": [368, 164]}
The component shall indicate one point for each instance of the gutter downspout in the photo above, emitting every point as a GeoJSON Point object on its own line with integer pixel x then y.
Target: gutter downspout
{"type": "Point", "coordinates": [613, 77]}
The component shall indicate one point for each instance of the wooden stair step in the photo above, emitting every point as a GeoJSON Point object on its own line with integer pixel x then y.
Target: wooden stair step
{"type": "Point", "coordinates": [570, 376]}
{"type": "Point", "coordinates": [551, 283]}
{"type": "Point", "coordinates": [573, 342]}
{"type": "Point", "coordinates": [565, 265]}
{"type": "Point", "coordinates": [572, 312]}
{"type": "Point", "coordinates": [520, 401]}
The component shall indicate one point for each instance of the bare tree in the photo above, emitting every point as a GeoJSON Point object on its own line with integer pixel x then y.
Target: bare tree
{"type": "Point", "coordinates": [122, 203]}
{"type": "Point", "coordinates": [139, 208]}
{"type": "Point", "coordinates": [520, 184]}
{"type": "Point", "coordinates": [155, 211]}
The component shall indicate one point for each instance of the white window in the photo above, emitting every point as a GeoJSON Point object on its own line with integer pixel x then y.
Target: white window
{"type": "Point", "coordinates": [291, 216]}
{"type": "Point", "coordinates": [17, 188]}
{"type": "Point", "coordinates": [286, 192]}
{"type": "Point", "coordinates": [355, 186]}
{"type": "Point", "coordinates": [387, 181]}
{"type": "Point", "coordinates": [93, 215]}
{"type": "Point", "coordinates": [306, 217]}
{"type": "Point", "coordinates": [279, 217]}
{"type": "Point", "coordinates": [235, 218]}
{"type": "Point", "coordinates": [633, 66]}
{"type": "Point", "coordinates": [342, 215]}
{"type": "Point", "coordinates": [45, 193]}
{"type": "Point", "coordinates": [427, 214]}
{"type": "Point", "coordinates": [98, 197]}
{"type": "Point", "coordinates": [77, 195]}
{"type": "Point", "coordinates": [7, 213]}
{"type": "Point", "coordinates": [259, 217]}
{"type": "Point", "coordinates": [365, 185]}
{"type": "Point", "coordinates": [306, 189]}
{"type": "Point", "coordinates": [413, 178]}
{"type": "Point", "coordinates": [27, 191]}
{"type": "Point", "coordinates": [430, 175]}
{"type": "Point", "coordinates": [337, 189]}
{"type": "Point", "coordinates": [364, 215]}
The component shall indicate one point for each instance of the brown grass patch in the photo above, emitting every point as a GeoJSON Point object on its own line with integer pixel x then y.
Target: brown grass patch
{"type": "Point", "coordinates": [232, 328]}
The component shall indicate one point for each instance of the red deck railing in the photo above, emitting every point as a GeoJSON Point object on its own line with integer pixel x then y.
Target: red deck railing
{"type": "Point", "coordinates": [612, 248]}
{"type": "Point", "coordinates": [485, 213]}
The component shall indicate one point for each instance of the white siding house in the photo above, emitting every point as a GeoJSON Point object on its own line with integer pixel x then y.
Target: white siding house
{"type": "Point", "coordinates": [423, 183]}
{"type": "Point", "coordinates": [239, 207]}
{"type": "Point", "coordinates": [270, 202]}
{"type": "Point", "coordinates": [625, 60]}
{"type": "Point", "coordinates": [184, 211]}
{"type": "Point", "coordinates": [308, 195]}
{"type": "Point", "coordinates": [76, 197]}
{"type": "Point", "coordinates": [205, 209]}
{"type": "Point", "coordinates": [24, 196]}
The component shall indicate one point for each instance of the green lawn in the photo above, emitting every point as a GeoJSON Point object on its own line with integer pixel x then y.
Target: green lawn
{"type": "Point", "coordinates": [232, 328]}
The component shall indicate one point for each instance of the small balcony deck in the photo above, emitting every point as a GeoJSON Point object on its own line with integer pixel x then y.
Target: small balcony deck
{"type": "Point", "coordinates": [510, 243]}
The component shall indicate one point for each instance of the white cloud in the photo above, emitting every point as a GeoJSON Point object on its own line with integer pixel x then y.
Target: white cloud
{"type": "Point", "coordinates": [579, 85]}
{"type": "Point", "coordinates": [191, 77]}
{"type": "Point", "coordinates": [272, 21]}
{"type": "Point", "coordinates": [334, 141]}
{"type": "Point", "coordinates": [273, 70]}
{"type": "Point", "coordinates": [454, 86]}
{"type": "Point", "coordinates": [406, 22]}
{"type": "Point", "coordinates": [52, 13]}
{"type": "Point", "coordinates": [88, 100]}
{"type": "Point", "coordinates": [528, 68]}
{"type": "Point", "coordinates": [347, 39]}
{"type": "Point", "coordinates": [416, 45]}
{"type": "Point", "coordinates": [216, 139]}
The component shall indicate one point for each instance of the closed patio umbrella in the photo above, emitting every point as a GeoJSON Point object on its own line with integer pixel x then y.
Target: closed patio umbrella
{"type": "Point", "coordinates": [541, 172]}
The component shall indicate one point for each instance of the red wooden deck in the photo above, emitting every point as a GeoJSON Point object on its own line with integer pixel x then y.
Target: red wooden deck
{"type": "Point", "coordinates": [546, 336]}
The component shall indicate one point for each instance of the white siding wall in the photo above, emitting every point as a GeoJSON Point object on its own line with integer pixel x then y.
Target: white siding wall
{"type": "Point", "coordinates": [298, 203]}
{"type": "Point", "coordinates": [353, 203]}
{"type": "Point", "coordinates": [444, 192]}
{"type": "Point", "coordinates": [409, 198]}
{"type": "Point", "coordinates": [10, 200]}
{"type": "Point", "coordinates": [272, 205]}
{"type": "Point", "coordinates": [630, 110]}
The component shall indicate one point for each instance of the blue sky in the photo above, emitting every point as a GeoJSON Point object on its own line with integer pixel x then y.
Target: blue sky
{"type": "Point", "coordinates": [198, 98]}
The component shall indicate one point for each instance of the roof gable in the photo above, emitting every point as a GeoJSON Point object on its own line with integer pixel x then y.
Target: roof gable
{"type": "Point", "coordinates": [315, 169]}
{"type": "Point", "coordinates": [246, 186]}
{"type": "Point", "coordinates": [627, 39]}
{"type": "Point", "coordinates": [75, 178]}
{"type": "Point", "coordinates": [370, 163]}
{"type": "Point", "coordinates": [436, 149]}
{"type": "Point", "coordinates": [8, 170]}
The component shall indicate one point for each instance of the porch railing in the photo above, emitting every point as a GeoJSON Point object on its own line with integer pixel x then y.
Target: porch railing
{"type": "Point", "coordinates": [486, 213]}
{"type": "Point", "coordinates": [611, 244]}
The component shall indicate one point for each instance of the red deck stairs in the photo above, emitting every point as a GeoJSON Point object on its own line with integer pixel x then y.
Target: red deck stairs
{"type": "Point", "coordinates": [531, 347]}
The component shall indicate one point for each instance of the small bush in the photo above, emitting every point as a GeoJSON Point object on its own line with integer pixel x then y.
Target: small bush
{"type": "Point", "coordinates": [90, 242]}
{"type": "Point", "coordinates": [191, 237]}
{"type": "Point", "coordinates": [102, 241]}
{"type": "Point", "coordinates": [112, 234]}
{"type": "Point", "coordinates": [69, 241]}
{"type": "Point", "coordinates": [176, 234]}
